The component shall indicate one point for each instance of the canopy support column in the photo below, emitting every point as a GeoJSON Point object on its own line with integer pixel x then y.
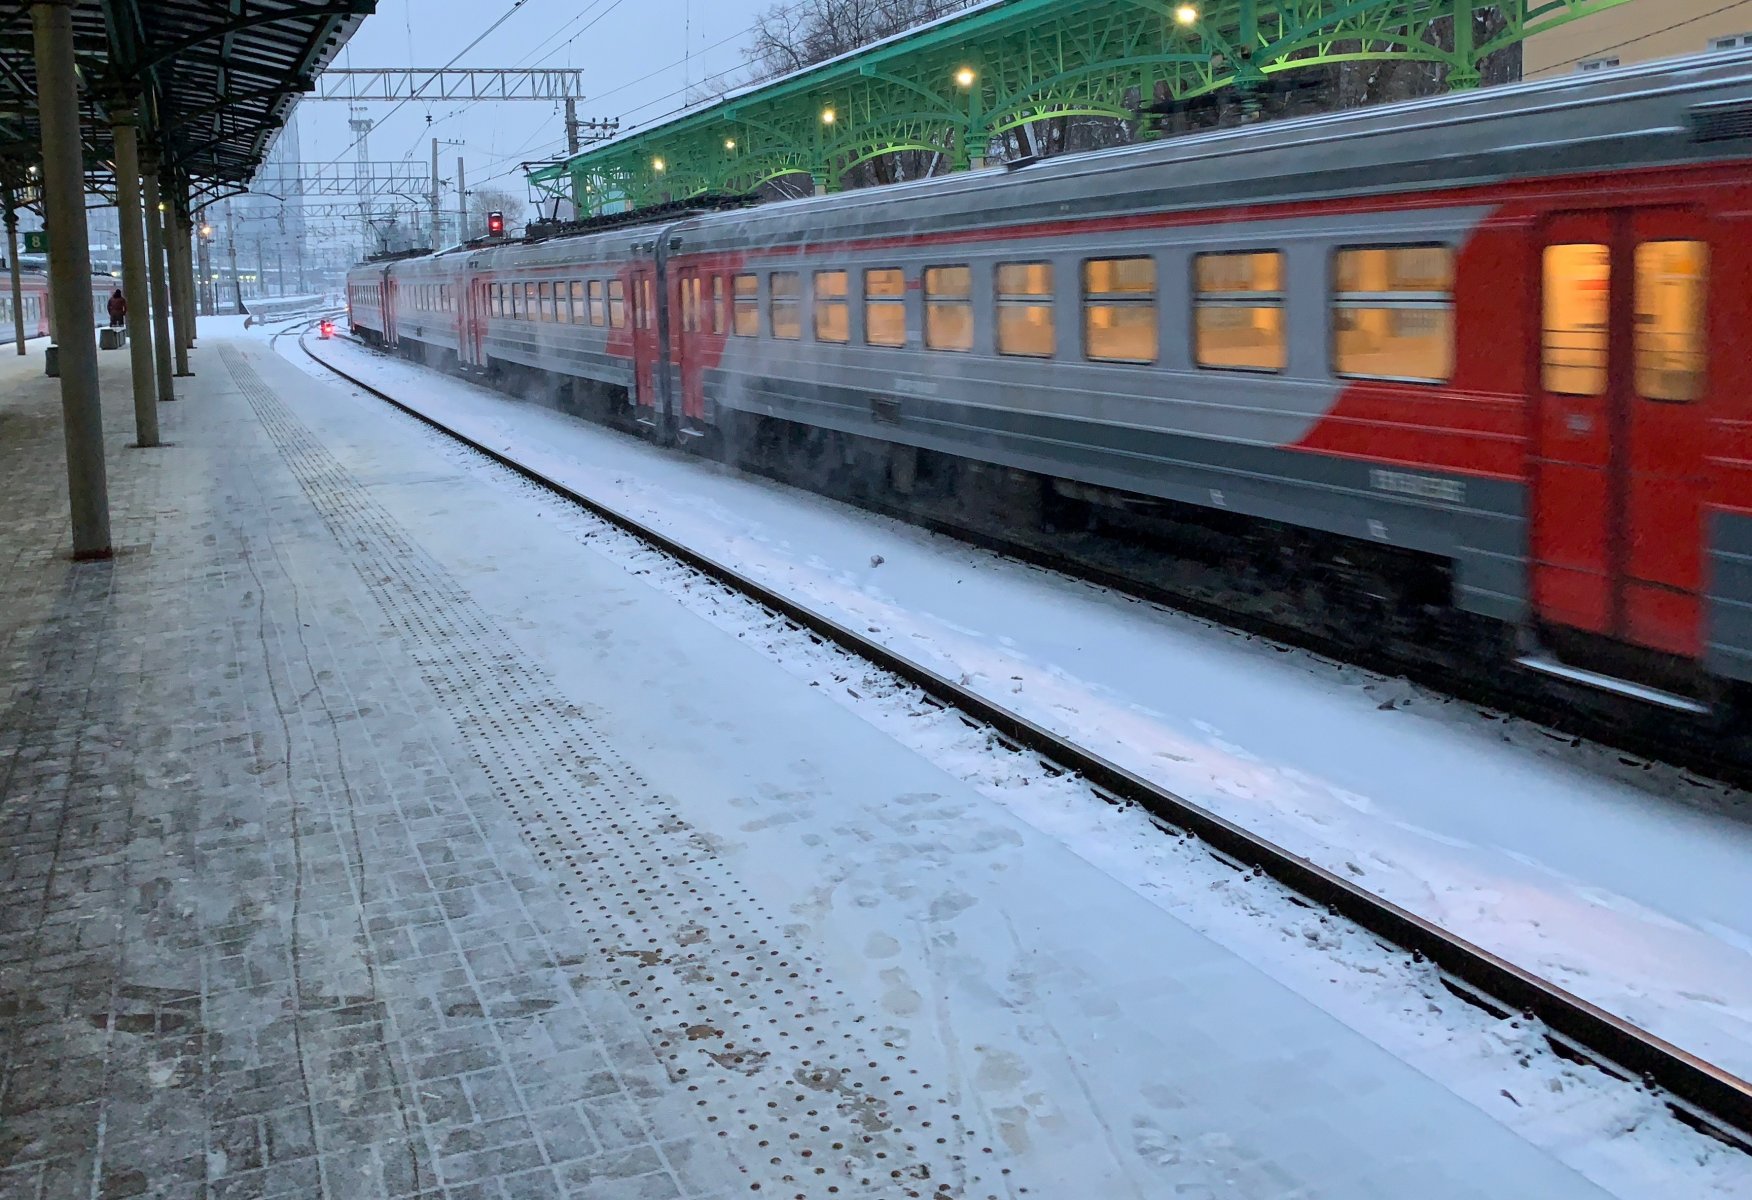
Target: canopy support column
{"type": "Point", "coordinates": [134, 286]}
{"type": "Point", "coordinates": [70, 277]}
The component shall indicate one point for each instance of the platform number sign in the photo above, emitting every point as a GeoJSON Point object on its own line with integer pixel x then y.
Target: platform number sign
{"type": "Point", "coordinates": [36, 241]}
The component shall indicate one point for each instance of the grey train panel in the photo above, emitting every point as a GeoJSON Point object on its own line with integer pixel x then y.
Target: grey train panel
{"type": "Point", "coordinates": [1727, 609]}
{"type": "Point", "coordinates": [1487, 533]}
{"type": "Point", "coordinates": [582, 363]}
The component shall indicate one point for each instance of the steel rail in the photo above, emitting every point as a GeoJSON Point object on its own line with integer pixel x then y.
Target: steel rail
{"type": "Point", "coordinates": [1699, 1093]}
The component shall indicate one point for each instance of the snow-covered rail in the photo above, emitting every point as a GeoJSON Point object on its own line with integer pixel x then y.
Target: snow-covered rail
{"type": "Point", "coordinates": [1698, 1092]}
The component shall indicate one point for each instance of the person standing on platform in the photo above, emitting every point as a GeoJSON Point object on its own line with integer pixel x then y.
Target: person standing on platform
{"type": "Point", "coordinates": [118, 309]}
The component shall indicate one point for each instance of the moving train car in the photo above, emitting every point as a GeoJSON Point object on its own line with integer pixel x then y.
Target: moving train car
{"type": "Point", "coordinates": [1487, 344]}
{"type": "Point", "coordinates": [34, 293]}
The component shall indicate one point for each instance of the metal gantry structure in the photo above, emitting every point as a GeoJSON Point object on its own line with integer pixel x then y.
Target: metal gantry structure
{"type": "Point", "coordinates": [466, 84]}
{"type": "Point", "coordinates": [390, 177]}
{"type": "Point", "coordinates": [956, 87]}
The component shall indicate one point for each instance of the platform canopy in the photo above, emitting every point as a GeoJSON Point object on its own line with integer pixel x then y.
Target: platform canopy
{"type": "Point", "coordinates": [213, 81]}
{"type": "Point", "coordinates": [955, 86]}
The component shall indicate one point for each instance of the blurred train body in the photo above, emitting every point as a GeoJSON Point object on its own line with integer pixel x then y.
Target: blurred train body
{"type": "Point", "coordinates": [1483, 349]}
{"type": "Point", "coordinates": [34, 296]}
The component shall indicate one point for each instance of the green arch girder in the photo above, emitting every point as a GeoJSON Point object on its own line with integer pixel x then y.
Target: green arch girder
{"type": "Point", "coordinates": [1033, 60]}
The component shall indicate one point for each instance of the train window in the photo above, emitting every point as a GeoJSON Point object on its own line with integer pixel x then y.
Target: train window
{"type": "Point", "coordinates": [546, 293]}
{"type": "Point", "coordinates": [1119, 310]}
{"type": "Point", "coordinates": [885, 307]}
{"type": "Point", "coordinates": [617, 304]}
{"type": "Point", "coordinates": [949, 308]}
{"type": "Point", "coordinates": [833, 318]}
{"type": "Point", "coordinates": [1238, 310]}
{"type": "Point", "coordinates": [1578, 293]}
{"type": "Point", "coordinates": [647, 310]}
{"type": "Point", "coordinates": [496, 299]}
{"type": "Point", "coordinates": [531, 303]}
{"type": "Point", "coordinates": [747, 306]}
{"type": "Point", "coordinates": [690, 304]}
{"type": "Point", "coordinates": [1393, 313]}
{"type": "Point", "coordinates": [1672, 283]}
{"type": "Point", "coordinates": [578, 315]}
{"type": "Point", "coordinates": [783, 301]}
{"type": "Point", "coordinates": [1025, 323]}
{"type": "Point", "coordinates": [720, 306]}
{"type": "Point", "coordinates": [598, 306]}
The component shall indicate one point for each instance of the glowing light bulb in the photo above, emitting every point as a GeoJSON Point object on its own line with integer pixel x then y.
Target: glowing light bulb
{"type": "Point", "coordinates": [1186, 14]}
{"type": "Point", "coordinates": [965, 77]}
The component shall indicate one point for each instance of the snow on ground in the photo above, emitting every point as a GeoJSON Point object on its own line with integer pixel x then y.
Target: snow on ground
{"type": "Point", "coordinates": [1625, 884]}
{"type": "Point", "coordinates": [1616, 1134]}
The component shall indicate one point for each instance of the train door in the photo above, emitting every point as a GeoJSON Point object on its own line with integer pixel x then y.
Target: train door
{"type": "Point", "coordinates": [1619, 471]}
{"type": "Point", "coordinates": [644, 302]}
{"type": "Point", "coordinates": [390, 290]}
{"type": "Point", "coordinates": [689, 343]}
{"type": "Point", "coordinates": [474, 322]}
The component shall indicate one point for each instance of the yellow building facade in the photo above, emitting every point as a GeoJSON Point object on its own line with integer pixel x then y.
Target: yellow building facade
{"type": "Point", "coordinates": [1639, 31]}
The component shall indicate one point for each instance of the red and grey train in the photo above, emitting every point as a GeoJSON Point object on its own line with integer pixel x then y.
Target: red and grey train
{"type": "Point", "coordinates": [33, 288]}
{"type": "Point", "coordinates": [1498, 332]}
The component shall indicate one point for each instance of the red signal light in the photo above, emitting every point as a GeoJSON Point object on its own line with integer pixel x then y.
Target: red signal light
{"type": "Point", "coordinates": [495, 224]}
{"type": "Point", "coordinates": [327, 329]}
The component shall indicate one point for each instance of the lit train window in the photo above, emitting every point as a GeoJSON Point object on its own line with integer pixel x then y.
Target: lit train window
{"type": "Point", "coordinates": [1119, 309]}
{"type": "Point", "coordinates": [1393, 313]}
{"type": "Point", "coordinates": [949, 308]}
{"type": "Point", "coordinates": [617, 304]}
{"type": "Point", "coordinates": [720, 306]}
{"type": "Point", "coordinates": [579, 313]}
{"type": "Point", "coordinates": [1672, 285]}
{"type": "Point", "coordinates": [598, 306]}
{"type": "Point", "coordinates": [783, 301]}
{"type": "Point", "coordinates": [647, 309]}
{"type": "Point", "coordinates": [1025, 322]}
{"type": "Point", "coordinates": [690, 304]}
{"type": "Point", "coordinates": [885, 307]}
{"type": "Point", "coordinates": [496, 300]}
{"type": "Point", "coordinates": [1578, 296]}
{"type": "Point", "coordinates": [1238, 311]}
{"type": "Point", "coordinates": [747, 306]}
{"type": "Point", "coordinates": [547, 301]}
{"type": "Point", "coordinates": [833, 318]}
{"type": "Point", "coordinates": [531, 310]}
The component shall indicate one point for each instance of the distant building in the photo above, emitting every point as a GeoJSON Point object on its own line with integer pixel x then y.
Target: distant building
{"type": "Point", "coordinates": [270, 229]}
{"type": "Point", "coordinates": [1638, 32]}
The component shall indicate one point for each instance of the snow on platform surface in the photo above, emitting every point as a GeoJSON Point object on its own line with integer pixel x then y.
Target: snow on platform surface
{"type": "Point", "coordinates": [1630, 887]}
{"type": "Point", "coordinates": [1008, 930]}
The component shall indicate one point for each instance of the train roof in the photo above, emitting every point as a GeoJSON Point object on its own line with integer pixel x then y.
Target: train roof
{"type": "Point", "coordinates": [1668, 111]}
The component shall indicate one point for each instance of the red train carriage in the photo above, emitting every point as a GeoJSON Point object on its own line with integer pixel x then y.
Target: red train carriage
{"type": "Point", "coordinates": [33, 287]}
{"type": "Point", "coordinates": [1493, 334]}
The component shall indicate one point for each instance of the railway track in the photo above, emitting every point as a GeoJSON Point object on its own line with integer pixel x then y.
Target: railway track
{"type": "Point", "coordinates": [1697, 1092]}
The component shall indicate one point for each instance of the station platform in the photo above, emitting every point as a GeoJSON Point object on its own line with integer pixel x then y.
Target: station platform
{"type": "Point", "coordinates": [367, 832]}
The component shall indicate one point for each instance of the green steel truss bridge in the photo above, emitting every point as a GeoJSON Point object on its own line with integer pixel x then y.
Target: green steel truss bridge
{"type": "Point", "coordinates": [953, 87]}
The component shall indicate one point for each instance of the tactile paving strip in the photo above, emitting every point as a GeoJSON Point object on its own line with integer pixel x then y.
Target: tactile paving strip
{"type": "Point", "coordinates": [808, 1097]}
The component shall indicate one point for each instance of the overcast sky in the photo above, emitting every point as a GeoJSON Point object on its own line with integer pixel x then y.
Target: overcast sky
{"type": "Point", "coordinates": [638, 57]}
